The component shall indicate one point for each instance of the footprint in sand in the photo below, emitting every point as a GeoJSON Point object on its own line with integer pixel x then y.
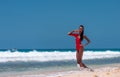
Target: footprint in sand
{"type": "Point", "coordinates": [108, 73]}
{"type": "Point", "coordinates": [95, 76]}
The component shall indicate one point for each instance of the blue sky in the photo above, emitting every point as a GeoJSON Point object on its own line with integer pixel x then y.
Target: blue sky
{"type": "Point", "coordinates": [45, 23]}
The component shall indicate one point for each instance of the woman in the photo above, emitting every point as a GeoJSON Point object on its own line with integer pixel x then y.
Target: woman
{"type": "Point", "coordinates": [79, 35]}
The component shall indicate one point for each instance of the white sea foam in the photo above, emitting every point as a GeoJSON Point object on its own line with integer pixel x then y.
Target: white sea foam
{"type": "Point", "coordinates": [53, 56]}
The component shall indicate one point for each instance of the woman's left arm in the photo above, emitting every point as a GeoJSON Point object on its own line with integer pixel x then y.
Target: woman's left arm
{"type": "Point", "coordinates": [86, 38]}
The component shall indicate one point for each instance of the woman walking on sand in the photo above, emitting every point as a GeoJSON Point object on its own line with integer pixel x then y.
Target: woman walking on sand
{"type": "Point", "coordinates": [79, 36]}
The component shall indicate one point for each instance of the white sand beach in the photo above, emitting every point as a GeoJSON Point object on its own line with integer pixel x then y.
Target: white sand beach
{"type": "Point", "coordinates": [101, 72]}
{"type": "Point", "coordinates": [110, 70]}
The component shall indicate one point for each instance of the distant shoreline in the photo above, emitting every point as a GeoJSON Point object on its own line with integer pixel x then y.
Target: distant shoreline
{"type": "Point", "coordinates": [61, 49]}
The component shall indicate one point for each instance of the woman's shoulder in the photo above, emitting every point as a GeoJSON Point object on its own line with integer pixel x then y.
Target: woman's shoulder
{"type": "Point", "coordinates": [76, 34]}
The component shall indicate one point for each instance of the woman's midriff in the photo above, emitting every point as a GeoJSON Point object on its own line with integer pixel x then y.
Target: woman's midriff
{"type": "Point", "coordinates": [78, 47]}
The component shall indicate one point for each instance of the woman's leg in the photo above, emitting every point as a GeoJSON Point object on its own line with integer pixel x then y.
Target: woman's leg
{"type": "Point", "coordinates": [84, 65]}
{"type": "Point", "coordinates": [79, 55]}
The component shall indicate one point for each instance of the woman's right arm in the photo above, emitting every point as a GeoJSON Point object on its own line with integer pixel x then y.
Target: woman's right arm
{"type": "Point", "coordinates": [69, 33]}
{"type": "Point", "coordinates": [72, 32]}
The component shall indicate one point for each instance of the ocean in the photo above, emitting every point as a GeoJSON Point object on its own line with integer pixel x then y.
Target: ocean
{"type": "Point", "coordinates": [47, 60]}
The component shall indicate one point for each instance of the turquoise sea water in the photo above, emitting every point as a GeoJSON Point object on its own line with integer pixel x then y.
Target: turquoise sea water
{"type": "Point", "coordinates": [19, 60]}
